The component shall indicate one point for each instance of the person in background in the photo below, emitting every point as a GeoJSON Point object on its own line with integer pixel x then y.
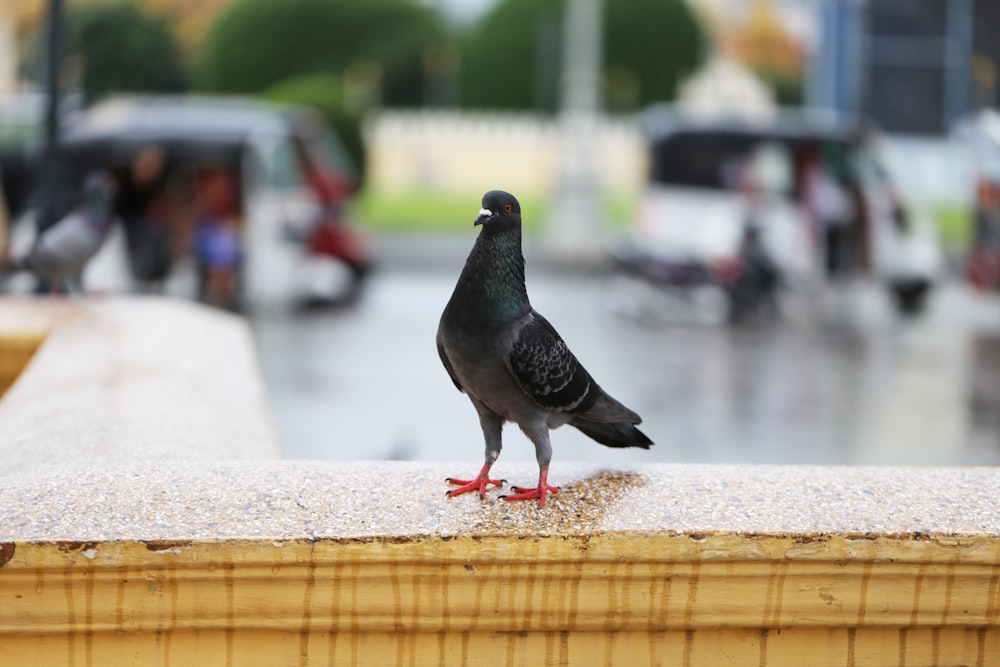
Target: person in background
{"type": "Point", "coordinates": [984, 257]}
{"type": "Point", "coordinates": [330, 235]}
{"type": "Point", "coordinates": [829, 201]}
{"type": "Point", "coordinates": [218, 238]}
{"type": "Point", "coordinates": [754, 292]}
{"type": "Point", "coordinates": [143, 206]}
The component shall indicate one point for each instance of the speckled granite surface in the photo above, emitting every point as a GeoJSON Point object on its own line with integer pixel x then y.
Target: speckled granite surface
{"type": "Point", "coordinates": [159, 500]}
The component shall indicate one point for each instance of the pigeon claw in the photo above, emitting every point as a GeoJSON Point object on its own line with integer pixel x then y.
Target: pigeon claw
{"type": "Point", "coordinates": [531, 493]}
{"type": "Point", "coordinates": [480, 484]}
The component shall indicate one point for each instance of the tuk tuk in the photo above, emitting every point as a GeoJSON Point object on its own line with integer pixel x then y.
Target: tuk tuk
{"type": "Point", "coordinates": [251, 193]}
{"type": "Point", "coordinates": [747, 207]}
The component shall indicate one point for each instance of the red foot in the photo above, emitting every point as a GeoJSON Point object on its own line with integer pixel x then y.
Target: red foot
{"type": "Point", "coordinates": [479, 484]}
{"type": "Point", "coordinates": [529, 493]}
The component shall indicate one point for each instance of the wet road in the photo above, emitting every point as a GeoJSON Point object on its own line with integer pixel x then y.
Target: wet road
{"type": "Point", "coordinates": [840, 381]}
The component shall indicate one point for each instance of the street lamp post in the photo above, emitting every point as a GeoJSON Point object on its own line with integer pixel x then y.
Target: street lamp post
{"type": "Point", "coordinates": [48, 175]}
{"type": "Point", "coordinates": [573, 228]}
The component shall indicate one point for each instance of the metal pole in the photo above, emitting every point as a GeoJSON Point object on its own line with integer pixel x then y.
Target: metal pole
{"type": "Point", "coordinates": [573, 228]}
{"type": "Point", "coordinates": [52, 60]}
{"type": "Point", "coordinates": [48, 174]}
{"type": "Point", "coordinates": [582, 56]}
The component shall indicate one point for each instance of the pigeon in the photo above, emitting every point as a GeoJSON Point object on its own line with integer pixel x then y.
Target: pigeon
{"type": "Point", "coordinates": [60, 253]}
{"type": "Point", "coordinates": [512, 363]}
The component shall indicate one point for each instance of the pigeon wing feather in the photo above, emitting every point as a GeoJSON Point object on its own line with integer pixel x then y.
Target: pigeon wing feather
{"type": "Point", "coordinates": [546, 370]}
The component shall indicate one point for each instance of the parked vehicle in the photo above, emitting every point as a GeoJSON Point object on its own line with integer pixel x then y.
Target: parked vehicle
{"type": "Point", "coordinates": [805, 200]}
{"type": "Point", "coordinates": [252, 192]}
{"type": "Point", "coordinates": [981, 134]}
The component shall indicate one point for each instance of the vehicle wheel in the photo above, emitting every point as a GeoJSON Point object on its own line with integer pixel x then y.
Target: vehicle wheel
{"type": "Point", "coordinates": [910, 298]}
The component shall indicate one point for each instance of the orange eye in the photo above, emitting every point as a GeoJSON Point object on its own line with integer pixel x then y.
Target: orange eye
{"type": "Point", "coordinates": [508, 208]}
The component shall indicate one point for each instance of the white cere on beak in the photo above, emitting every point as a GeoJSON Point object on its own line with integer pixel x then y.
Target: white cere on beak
{"type": "Point", "coordinates": [485, 213]}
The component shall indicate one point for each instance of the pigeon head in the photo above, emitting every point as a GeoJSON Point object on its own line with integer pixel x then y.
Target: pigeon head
{"type": "Point", "coordinates": [498, 206]}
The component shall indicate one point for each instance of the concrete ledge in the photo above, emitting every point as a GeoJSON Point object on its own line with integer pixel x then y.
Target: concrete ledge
{"type": "Point", "coordinates": [130, 379]}
{"type": "Point", "coordinates": [296, 562]}
{"type": "Point", "coordinates": [131, 533]}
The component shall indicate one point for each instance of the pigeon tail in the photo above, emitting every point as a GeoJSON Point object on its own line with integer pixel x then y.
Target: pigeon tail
{"type": "Point", "coordinates": [599, 406]}
{"type": "Point", "coordinates": [614, 434]}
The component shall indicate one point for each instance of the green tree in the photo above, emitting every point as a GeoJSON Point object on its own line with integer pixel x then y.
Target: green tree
{"type": "Point", "coordinates": [323, 92]}
{"type": "Point", "coordinates": [788, 89]}
{"type": "Point", "coordinates": [655, 42]}
{"type": "Point", "coordinates": [512, 57]}
{"type": "Point", "coordinates": [122, 49]}
{"type": "Point", "coordinates": [376, 43]}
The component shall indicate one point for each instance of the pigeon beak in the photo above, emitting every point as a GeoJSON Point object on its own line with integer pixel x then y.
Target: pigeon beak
{"type": "Point", "coordinates": [484, 215]}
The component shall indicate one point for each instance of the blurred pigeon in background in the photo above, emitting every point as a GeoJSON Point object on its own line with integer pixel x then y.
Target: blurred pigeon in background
{"type": "Point", "coordinates": [511, 362]}
{"type": "Point", "coordinates": [61, 252]}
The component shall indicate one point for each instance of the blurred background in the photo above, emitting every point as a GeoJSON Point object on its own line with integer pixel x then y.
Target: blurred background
{"type": "Point", "coordinates": [772, 227]}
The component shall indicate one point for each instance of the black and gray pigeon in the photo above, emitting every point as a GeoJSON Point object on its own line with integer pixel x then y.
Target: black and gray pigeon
{"type": "Point", "coordinates": [511, 362]}
{"type": "Point", "coordinates": [61, 252]}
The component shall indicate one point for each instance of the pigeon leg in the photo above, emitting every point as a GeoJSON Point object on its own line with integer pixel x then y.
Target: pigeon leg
{"type": "Point", "coordinates": [539, 435]}
{"type": "Point", "coordinates": [492, 425]}
{"type": "Point", "coordinates": [480, 483]}
{"type": "Point", "coordinates": [539, 492]}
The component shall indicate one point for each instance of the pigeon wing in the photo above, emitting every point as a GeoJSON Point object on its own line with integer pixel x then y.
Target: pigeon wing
{"type": "Point", "coordinates": [447, 363]}
{"type": "Point", "coordinates": [546, 370]}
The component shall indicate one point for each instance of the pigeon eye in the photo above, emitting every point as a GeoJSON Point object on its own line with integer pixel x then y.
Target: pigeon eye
{"type": "Point", "coordinates": [508, 208]}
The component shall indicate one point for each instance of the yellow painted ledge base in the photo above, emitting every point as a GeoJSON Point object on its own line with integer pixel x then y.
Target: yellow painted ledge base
{"type": "Point", "coordinates": [631, 599]}
{"type": "Point", "coordinates": [16, 351]}
{"type": "Point", "coordinates": [720, 647]}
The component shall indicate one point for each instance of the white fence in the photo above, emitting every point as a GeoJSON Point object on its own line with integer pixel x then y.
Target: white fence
{"type": "Point", "coordinates": [469, 152]}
